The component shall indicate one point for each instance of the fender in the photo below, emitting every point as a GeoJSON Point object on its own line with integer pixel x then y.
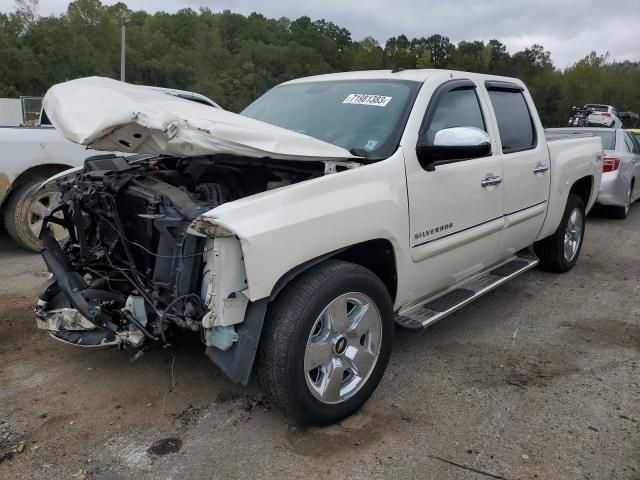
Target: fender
{"type": "Point", "coordinates": [283, 228]}
{"type": "Point", "coordinates": [572, 160]}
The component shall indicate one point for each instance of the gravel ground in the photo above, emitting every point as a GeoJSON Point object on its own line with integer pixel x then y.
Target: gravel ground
{"type": "Point", "coordinates": [538, 379]}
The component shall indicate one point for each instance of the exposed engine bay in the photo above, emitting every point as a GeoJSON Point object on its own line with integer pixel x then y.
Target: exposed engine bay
{"type": "Point", "coordinates": [130, 274]}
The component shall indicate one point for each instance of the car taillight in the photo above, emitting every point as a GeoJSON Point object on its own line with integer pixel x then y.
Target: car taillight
{"type": "Point", "coordinates": [609, 164]}
{"type": "Point", "coordinates": [605, 114]}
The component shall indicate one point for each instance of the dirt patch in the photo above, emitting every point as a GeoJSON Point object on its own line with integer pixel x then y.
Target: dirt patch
{"type": "Point", "coordinates": [17, 319]}
{"type": "Point", "coordinates": [190, 415]}
{"type": "Point", "coordinates": [165, 446]}
{"type": "Point", "coordinates": [9, 442]}
{"type": "Point", "coordinates": [250, 402]}
{"type": "Point", "coordinates": [604, 332]}
{"type": "Point", "coordinates": [523, 369]}
{"type": "Point", "coordinates": [227, 396]}
{"type": "Point", "coordinates": [356, 432]}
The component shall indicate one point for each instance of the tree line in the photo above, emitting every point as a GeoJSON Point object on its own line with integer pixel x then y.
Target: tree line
{"type": "Point", "coordinates": [234, 58]}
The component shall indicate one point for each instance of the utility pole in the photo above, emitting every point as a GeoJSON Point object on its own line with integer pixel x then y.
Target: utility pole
{"type": "Point", "coordinates": [123, 22]}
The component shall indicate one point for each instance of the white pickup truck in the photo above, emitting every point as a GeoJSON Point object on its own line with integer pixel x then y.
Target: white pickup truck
{"type": "Point", "coordinates": [30, 155]}
{"type": "Point", "coordinates": [299, 233]}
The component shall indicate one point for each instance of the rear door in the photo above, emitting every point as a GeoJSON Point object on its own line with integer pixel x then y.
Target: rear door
{"type": "Point", "coordinates": [455, 215]}
{"type": "Point", "coordinates": [525, 163]}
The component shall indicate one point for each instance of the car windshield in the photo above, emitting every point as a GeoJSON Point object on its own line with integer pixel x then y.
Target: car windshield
{"type": "Point", "coordinates": [366, 117]}
{"type": "Point", "coordinates": [608, 137]}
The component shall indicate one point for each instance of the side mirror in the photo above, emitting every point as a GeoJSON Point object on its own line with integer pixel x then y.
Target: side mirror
{"type": "Point", "coordinates": [456, 143]}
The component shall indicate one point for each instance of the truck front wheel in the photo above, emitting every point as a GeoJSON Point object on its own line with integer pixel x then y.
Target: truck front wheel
{"type": "Point", "coordinates": [559, 252]}
{"type": "Point", "coordinates": [326, 342]}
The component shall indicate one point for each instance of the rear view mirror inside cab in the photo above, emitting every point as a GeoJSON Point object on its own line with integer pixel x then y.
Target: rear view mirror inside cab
{"type": "Point", "coordinates": [450, 144]}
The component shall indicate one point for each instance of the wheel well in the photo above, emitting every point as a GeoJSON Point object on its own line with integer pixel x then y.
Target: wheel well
{"type": "Point", "coordinates": [47, 170]}
{"type": "Point", "coordinates": [582, 188]}
{"type": "Point", "coordinates": [377, 256]}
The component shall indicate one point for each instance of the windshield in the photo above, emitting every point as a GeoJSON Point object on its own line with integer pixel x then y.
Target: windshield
{"type": "Point", "coordinates": [598, 108]}
{"type": "Point", "coordinates": [366, 117]}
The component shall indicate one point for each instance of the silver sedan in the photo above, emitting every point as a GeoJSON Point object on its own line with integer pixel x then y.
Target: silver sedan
{"type": "Point", "coordinates": [620, 185]}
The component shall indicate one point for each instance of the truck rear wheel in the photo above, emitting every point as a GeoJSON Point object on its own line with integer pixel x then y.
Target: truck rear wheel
{"type": "Point", "coordinates": [25, 210]}
{"type": "Point", "coordinates": [560, 252]}
{"type": "Point", "coordinates": [326, 342]}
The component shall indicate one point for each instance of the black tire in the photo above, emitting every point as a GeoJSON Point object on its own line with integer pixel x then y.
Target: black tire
{"type": "Point", "coordinates": [621, 213]}
{"type": "Point", "coordinates": [287, 329]}
{"type": "Point", "coordinates": [550, 250]}
{"type": "Point", "coordinates": [17, 213]}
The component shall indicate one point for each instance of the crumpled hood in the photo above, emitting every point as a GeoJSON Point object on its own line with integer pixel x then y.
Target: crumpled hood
{"type": "Point", "coordinates": [109, 115]}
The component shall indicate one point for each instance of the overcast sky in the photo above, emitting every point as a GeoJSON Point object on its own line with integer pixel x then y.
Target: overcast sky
{"type": "Point", "coordinates": [569, 29]}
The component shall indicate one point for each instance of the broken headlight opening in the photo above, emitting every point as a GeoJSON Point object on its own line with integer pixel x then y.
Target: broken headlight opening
{"type": "Point", "coordinates": [132, 273]}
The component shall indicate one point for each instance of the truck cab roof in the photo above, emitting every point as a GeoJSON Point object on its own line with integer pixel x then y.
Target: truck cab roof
{"type": "Point", "coordinates": [414, 75]}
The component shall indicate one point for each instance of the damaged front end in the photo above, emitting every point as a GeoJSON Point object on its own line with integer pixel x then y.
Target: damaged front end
{"type": "Point", "coordinates": [143, 265]}
{"type": "Point", "coordinates": [129, 271]}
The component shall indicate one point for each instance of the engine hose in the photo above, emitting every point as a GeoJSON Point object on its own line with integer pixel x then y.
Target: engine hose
{"type": "Point", "coordinates": [135, 321]}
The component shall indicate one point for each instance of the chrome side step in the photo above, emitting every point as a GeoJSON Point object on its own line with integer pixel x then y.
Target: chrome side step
{"type": "Point", "coordinates": [423, 314]}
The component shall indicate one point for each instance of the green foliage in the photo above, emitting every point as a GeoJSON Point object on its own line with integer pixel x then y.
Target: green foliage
{"type": "Point", "coordinates": [234, 59]}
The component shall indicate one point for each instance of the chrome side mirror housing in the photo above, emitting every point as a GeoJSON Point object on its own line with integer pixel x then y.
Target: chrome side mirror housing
{"type": "Point", "coordinates": [451, 144]}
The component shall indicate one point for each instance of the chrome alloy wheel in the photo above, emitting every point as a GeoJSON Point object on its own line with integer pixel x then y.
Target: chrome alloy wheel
{"type": "Point", "coordinates": [573, 234]}
{"type": "Point", "coordinates": [343, 347]}
{"type": "Point", "coordinates": [41, 206]}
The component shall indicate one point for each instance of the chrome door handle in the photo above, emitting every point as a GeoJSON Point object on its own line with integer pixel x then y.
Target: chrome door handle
{"type": "Point", "coordinates": [491, 181]}
{"type": "Point", "coordinates": [540, 168]}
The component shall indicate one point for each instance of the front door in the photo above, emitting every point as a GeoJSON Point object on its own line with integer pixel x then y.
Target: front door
{"type": "Point", "coordinates": [456, 210]}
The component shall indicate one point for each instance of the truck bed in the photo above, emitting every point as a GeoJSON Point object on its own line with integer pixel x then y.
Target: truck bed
{"type": "Point", "coordinates": [555, 136]}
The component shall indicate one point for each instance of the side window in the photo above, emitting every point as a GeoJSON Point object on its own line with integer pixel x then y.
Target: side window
{"type": "Point", "coordinates": [456, 108]}
{"type": "Point", "coordinates": [628, 142]}
{"type": "Point", "coordinates": [636, 144]}
{"type": "Point", "coordinates": [514, 120]}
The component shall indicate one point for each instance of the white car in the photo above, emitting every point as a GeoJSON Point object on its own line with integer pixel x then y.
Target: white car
{"type": "Point", "coordinates": [30, 155]}
{"type": "Point", "coordinates": [603, 116]}
{"type": "Point", "coordinates": [296, 235]}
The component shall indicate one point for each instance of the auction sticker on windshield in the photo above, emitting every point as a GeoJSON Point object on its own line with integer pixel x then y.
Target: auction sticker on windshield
{"type": "Point", "coordinates": [362, 99]}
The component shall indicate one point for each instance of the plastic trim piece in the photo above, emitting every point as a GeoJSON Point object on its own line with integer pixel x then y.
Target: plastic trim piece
{"type": "Point", "coordinates": [502, 86]}
{"type": "Point", "coordinates": [237, 362]}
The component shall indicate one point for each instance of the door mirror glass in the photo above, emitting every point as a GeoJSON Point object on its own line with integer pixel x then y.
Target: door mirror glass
{"type": "Point", "coordinates": [455, 143]}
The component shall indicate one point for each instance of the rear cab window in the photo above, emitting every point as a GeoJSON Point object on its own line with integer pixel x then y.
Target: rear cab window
{"type": "Point", "coordinates": [515, 123]}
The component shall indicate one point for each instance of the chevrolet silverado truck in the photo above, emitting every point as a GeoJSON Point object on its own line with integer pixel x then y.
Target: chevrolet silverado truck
{"type": "Point", "coordinates": [293, 237]}
{"type": "Point", "coordinates": [30, 155]}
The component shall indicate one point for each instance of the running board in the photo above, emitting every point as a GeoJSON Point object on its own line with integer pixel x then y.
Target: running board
{"type": "Point", "coordinates": [435, 308]}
